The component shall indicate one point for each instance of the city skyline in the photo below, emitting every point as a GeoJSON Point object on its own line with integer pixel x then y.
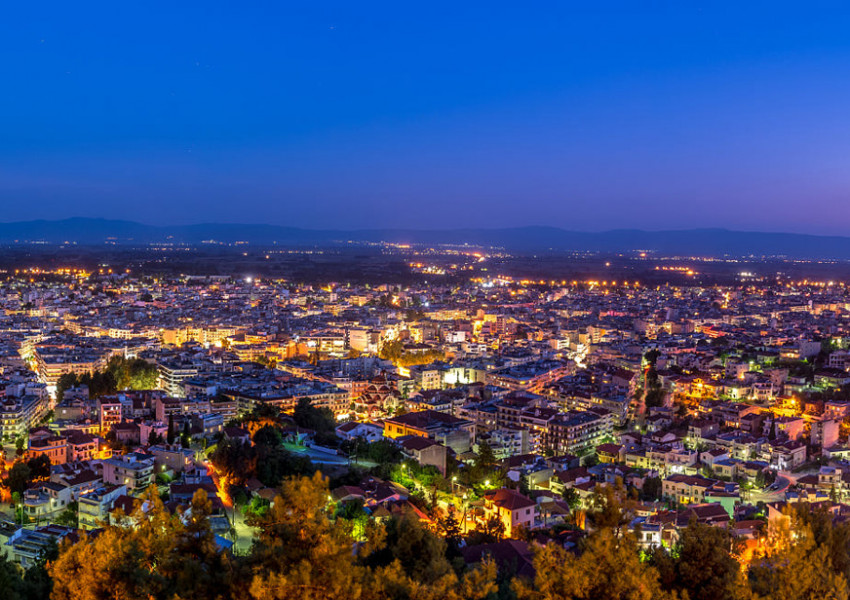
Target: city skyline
{"type": "Point", "coordinates": [326, 117]}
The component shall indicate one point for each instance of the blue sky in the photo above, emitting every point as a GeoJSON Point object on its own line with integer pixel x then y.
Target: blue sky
{"type": "Point", "coordinates": [587, 116]}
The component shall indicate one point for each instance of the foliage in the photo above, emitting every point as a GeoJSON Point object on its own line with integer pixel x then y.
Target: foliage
{"type": "Point", "coordinates": [394, 351]}
{"type": "Point", "coordinates": [165, 556]}
{"type": "Point", "coordinates": [490, 530]}
{"type": "Point", "coordinates": [705, 565]}
{"type": "Point", "coordinates": [133, 374]}
{"type": "Point", "coordinates": [30, 584]}
{"type": "Point", "coordinates": [797, 565]}
{"type": "Point", "coordinates": [608, 569]}
{"type": "Point", "coordinates": [266, 459]}
{"type": "Point", "coordinates": [572, 498]}
{"type": "Point", "coordinates": [39, 467]}
{"type": "Point", "coordinates": [18, 477]}
{"type": "Point", "coordinates": [651, 489]}
{"type": "Point", "coordinates": [68, 517]}
{"type": "Point", "coordinates": [421, 553]}
{"type": "Point", "coordinates": [610, 508]}
{"type": "Point", "coordinates": [302, 553]}
{"type": "Point", "coordinates": [383, 451]}
{"type": "Point", "coordinates": [320, 420]}
{"type": "Point", "coordinates": [309, 547]}
{"type": "Point", "coordinates": [120, 374]}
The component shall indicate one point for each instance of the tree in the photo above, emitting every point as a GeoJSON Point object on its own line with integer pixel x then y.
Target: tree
{"type": "Point", "coordinates": [651, 489]}
{"type": "Point", "coordinates": [143, 375]}
{"type": "Point", "coordinates": [18, 477]}
{"type": "Point", "coordinates": [421, 553]}
{"type": "Point", "coordinates": [12, 580]}
{"type": "Point", "coordinates": [486, 460]}
{"type": "Point", "coordinates": [449, 525]}
{"type": "Point", "coordinates": [39, 467]}
{"type": "Point", "coordinates": [185, 436]}
{"type": "Point", "coordinates": [608, 569]}
{"type": "Point", "coordinates": [164, 555]}
{"type": "Point", "coordinates": [320, 420]}
{"type": "Point", "coordinates": [68, 517]}
{"type": "Point", "coordinates": [66, 381]}
{"type": "Point", "coordinates": [491, 529]}
{"type": "Point", "coordinates": [609, 508]}
{"type": "Point", "coordinates": [705, 566]}
{"type": "Point", "coordinates": [234, 460]}
{"type": "Point", "coordinates": [796, 567]}
{"type": "Point", "coordinates": [268, 436]}
{"type": "Point", "coordinates": [37, 581]}
{"type": "Point", "coordinates": [572, 497]}
{"type": "Point", "coordinates": [300, 552]}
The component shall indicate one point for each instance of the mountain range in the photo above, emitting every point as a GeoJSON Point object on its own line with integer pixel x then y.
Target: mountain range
{"type": "Point", "coordinates": [692, 242]}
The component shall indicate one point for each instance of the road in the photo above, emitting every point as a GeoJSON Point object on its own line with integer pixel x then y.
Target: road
{"type": "Point", "coordinates": [775, 492]}
{"type": "Point", "coordinates": [244, 534]}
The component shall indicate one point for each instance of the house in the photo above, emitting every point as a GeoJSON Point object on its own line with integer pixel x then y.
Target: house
{"type": "Point", "coordinates": [128, 434]}
{"type": "Point", "coordinates": [454, 432]}
{"type": "Point", "coordinates": [26, 546]}
{"type": "Point", "coordinates": [54, 447]}
{"type": "Point", "coordinates": [709, 514]}
{"type": "Point", "coordinates": [81, 446]}
{"type": "Point", "coordinates": [133, 470]}
{"type": "Point", "coordinates": [512, 508]}
{"type": "Point", "coordinates": [47, 500]}
{"type": "Point", "coordinates": [173, 458]}
{"type": "Point", "coordinates": [93, 508]}
{"type": "Point", "coordinates": [787, 455]}
{"type": "Point", "coordinates": [610, 453]}
{"type": "Point", "coordinates": [424, 451]}
{"type": "Point", "coordinates": [353, 430]}
{"type": "Point", "coordinates": [686, 489]}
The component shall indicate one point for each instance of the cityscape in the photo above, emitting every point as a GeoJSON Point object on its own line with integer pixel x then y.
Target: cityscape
{"type": "Point", "coordinates": [424, 301]}
{"type": "Point", "coordinates": [460, 435]}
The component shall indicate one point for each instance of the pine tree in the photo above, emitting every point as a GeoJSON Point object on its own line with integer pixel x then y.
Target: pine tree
{"type": "Point", "coordinates": [608, 569]}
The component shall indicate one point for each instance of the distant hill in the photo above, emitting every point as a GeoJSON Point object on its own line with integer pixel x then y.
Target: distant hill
{"type": "Point", "coordinates": [702, 242]}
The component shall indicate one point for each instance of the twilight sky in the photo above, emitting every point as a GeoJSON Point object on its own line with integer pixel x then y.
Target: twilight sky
{"type": "Point", "coordinates": [428, 115]}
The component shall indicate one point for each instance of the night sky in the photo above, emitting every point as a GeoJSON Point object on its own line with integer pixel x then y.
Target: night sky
{"type": "Point", "coordinates": [428, 114]}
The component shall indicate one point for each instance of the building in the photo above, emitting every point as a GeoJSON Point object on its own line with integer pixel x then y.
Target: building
{"type": "Point", "coordinates": [172, 375]}
{"type": "Point", "coordinates": [19, 415]}
{"type": "Point", "coordinates": [424, 451]}
{"type": "Point", "coordinates": [110, 414]}
{"type": "Point", "coordinates": [686, 489]}
{"type": "Point", "coordinates": [27, 546]}
{"type": "Point", "coordinates": [454, 432]}
{"type": "Point", "coordinates": [93, 508]}
{"type": "Point", "coordinates": [577, 432]}
{"type": "Point", "coordinates": [512, 508]}
{"type": "Point", "coordinates": [133, 470]}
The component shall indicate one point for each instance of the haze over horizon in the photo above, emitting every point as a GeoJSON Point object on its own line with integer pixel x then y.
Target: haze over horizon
{"type": "Point", "coordinates": [437, 117]}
